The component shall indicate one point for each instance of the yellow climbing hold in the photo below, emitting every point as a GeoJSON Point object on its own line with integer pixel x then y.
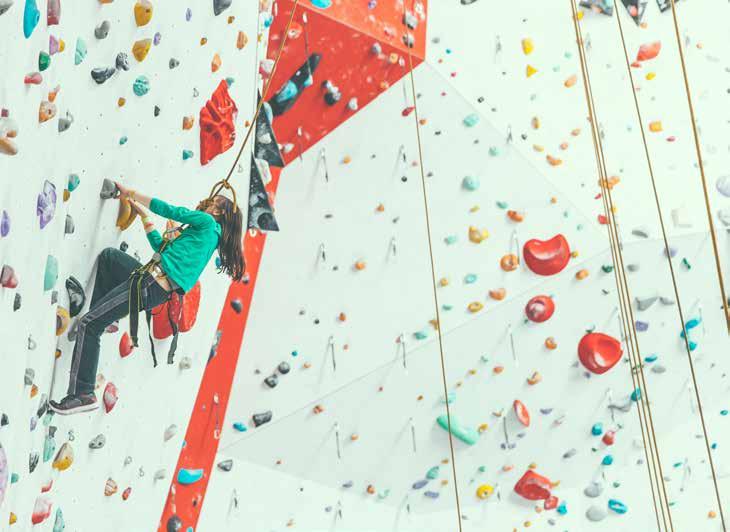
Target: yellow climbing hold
{"type": "Point", "coordinates": [530, 71]}
{"type": "Point", "coordinates": [63, 319]}
{"type": "Point", "coordinates": [485, 491]}
{"type": "Point", "coordinates": [143, 12]}
{"type": "Point", "coordinates": [527, 46]}
{"type": "Point", "coordinates": [483, 428]}
{"type": "Point", "coordinates": [140, 49]}
{"type": "Point", "coordinates": [650, 76]}
{"type": "Point", "coordinates": [64, 458]}
{"type": "Point", "coordinates": [13, 518]}
{"type": "Point", "coordinates": [443, 282]}
{"type": "Point", "coordinates": [477, 235]}
{"type": "Point", "coordinates": [656, 126]}
{"type": "Point", "coordinates": [538, 148]}
{"type": "Point", "coordinates": [475, 306]}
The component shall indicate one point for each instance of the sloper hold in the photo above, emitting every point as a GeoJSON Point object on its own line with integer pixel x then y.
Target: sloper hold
{"type": "Point", "coordinates": [31, 17]}
{"type": "Point", "coordinates": [143, 12]}
{"type": "Point", "coordinates": [5, 5]}
{"type": "Point", "coordinates": [189, 476]}
{"type": "Point", "coordinates": [260, 214]}
{"type": "Point", "coordinates": [217, 124]}
{"type": "Point", "coordinates": [465, 434]}
{"type": "Point", "coordinates": [219, 6]}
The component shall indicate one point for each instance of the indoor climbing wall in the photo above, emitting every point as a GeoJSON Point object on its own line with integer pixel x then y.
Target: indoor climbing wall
{"type": "Point", "coordinates": [94, 91]}
{"type": "Point", "coordinates": [430, 333]}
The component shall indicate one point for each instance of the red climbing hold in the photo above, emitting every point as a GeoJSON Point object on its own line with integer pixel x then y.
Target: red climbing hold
{"type": "Point", "coordinates": [550, 503]}
{"type": "Point", "coordinates": [609, 438]}
{"type": "Point", "coordinates": [648, 51]}
{"type": "Point", "coordinates": [217, 128]}
{"type": "Point", "coordinates": [125, 345]}
{"type": "Point", "coordinates": [8, 279]}
{"type": "Point", "coordinates": [408, 110]}
{"type": "Point", "coordinates": [181, 311]}
{"type": "Point", "coordinates": [523, 415]}
{"type": "Point", "coordinates": [110, 396]}
{"type": "Point", "coordinates": [547, 257]}
{"type": "Point", "coordinates": [599, 352]}
{"type": "Point", "coordinates": [533, 487]}
{"type": "Point", "coordinates": [540, 308]}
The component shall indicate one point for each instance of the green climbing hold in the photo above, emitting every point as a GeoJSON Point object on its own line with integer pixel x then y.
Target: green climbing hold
{"type": "Point", "coordinates": [420, 335]}
{"type": "Point", "coordinates": [686, 264]}
{"type": "Point", "coordinates": [81, 51]}
{"type": "Point", "coordinates": [187, 154]}
{"type": "Point", "coordinates": [433, 473]}
{"type": "Point", "coordinates": [502, 204]}
{"type": "Point", "coordinates": [51, 273]}
{"type": "Point", "coordinates": [447, 307]}
{"type": "Point", "coordinates": [467, 435]}
{"type": "Point", "coordinates": [73, 182]}
{"type": "Point", "coordinates": [607, 268]}
{"type": "Point", "coordinates": [493, 151]}
{"type": "Point", "coordinates": [451, 239]}
{"type": "Point", "coordinates": [44, 61]}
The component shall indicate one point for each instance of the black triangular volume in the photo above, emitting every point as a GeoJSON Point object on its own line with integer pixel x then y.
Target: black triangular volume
{"type": "Point", "coordinates": [602, 6]}
{"type": "Point", "coordinates": [265, 145]}
{"type": "Point", "coordinates": [665, 4]}
{"type": "Point", "coordinates": [636, 9]}
{"type": "Point", "coordinates": [289, 93]}
{"type": "Point", "coordinates": [260, 213]}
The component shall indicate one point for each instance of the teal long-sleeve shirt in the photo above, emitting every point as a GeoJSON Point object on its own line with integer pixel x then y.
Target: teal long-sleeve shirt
{"type": "Point", "coordinates": [185, 258]}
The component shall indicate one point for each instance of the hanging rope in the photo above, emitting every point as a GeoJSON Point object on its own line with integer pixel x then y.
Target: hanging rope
{"type": "Point", "coordinates": [715, 250]}
{"type": "Point", "coordinates": [659, 495]}
{"type": "Point", "coordinates": [666, 244]}
{"type": "Point", "coordinates": [220, 185]}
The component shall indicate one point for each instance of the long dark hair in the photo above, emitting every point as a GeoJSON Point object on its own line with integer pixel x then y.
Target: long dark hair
{"type": "Point", "coordinates": [230, 244]}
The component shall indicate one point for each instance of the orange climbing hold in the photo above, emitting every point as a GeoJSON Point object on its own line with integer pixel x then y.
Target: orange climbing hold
{"type": "Point", "coordinates": [515, 216]}
{"type": "Point", "coordinates": [241, 40]}
{"type": "Point", "coordinates": [360, 265]}
{"type": "Point", "coordinates": [143, 12]}
{"type": "Point", "coordinates": [215, 64]}
{"type": "Point", "coordinates": [187, 122]}
{"type": "Point", "coordinates": [649, 51]}
{"type": "Point", "coordinates": [571, 81]}
{"type": "Point", "coordinates": [498, 294]}
{"type": "Point", "coordinates": [46, 111]}
{"type": "Point", "coordinates": [509, 262]}
{"type": "Point", "coordinates": [550, 343]}
{"type": "Point", "coordinates": [581, 274]}
{"type": "Point", "coordinates": [141, 48]}
{"type": "Point", "coordinates": [554, 161]}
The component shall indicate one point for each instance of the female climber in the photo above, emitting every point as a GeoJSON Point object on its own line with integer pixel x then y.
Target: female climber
{"type": "Point", "coordinates": [124, 286]}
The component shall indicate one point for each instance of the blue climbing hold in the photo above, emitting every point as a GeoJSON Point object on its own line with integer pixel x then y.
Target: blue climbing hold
{"type": "Point", "coordinates": [141, 86]}
{"type": "Point", "coordinates": [562, 509]}
{"type": "Point", "coordinates": [239, 426]}
{"type": "Point", "coordinates": [617, 506]}
{"type": "Point", "coordinates": [189, 476]}
{"type": "Point", "coordinates": [31, 16]}
{"type": "Point", "coordinates": [431, 494]}
{"type": "Point", "coordinates": [287, 92]}
{"type": "Point", "coordinates": [419, 484]}
{"type": "Point", "coordinates": [322, 4]}
{"type": "Point", "coordinates": [607, 460]}
{"type": "Point", "coordinates": [597, 429]}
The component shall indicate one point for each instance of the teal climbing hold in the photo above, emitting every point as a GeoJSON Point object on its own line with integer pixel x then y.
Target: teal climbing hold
{"type": "Point", "coordinates": [597, 429]}
{"type": "Point", "coordinates": [229, 81]}
{"type": "Point", "coordinates": [50, 276]}
{"type": "Point", "coordinates": [49, 447]}
{"type": "Point", "coordinates": [482, 469]}
{"type": "Point", "coordinates": [59, 524]}
{"type": "Point", "coordinates": [141, 86]}
{"type": "Point", "coordinates": [650, 358]}
{"type": "Point", "coordinates": [493, 151]}
{"type": "Point", "coordinates": [14, 477]}
{"type": "Point", "coordinates": [187, 154]}
{"type": "Point", "coordinates": [322, 4]}
{"type": "Point", "coordinates": [450, 398]}
{"type": "Point", "coordinates": [451, 239]}
{"type": "Point", "coordinates": [447, 307]}
{"type": "Point", "coordinates": [420, 335]}
{"type": "Point", "coordinates": [73, 182]}
{"type": "Point", "coordinates": [433, 473]}
{"type": "Point", "coordinates": [562, 508]}
{"type": "Point", "coordinates": [617, 506]}
{"type": "Point", "coordinates": [81, 51]}
{"type": "Point", "coordinates": [636, 394]}
{"type": "Point", "coordinates": [123, 140]}
{"type": "Point", "coordinates": [189, 476]}
{"type": "Point", "coordinates": [723, 412]}
{"type": "Point", "coordinates": [502, 204]}
{"type": "Point", "coordinates": [471, 120]}
{"type": "Point", "coordinates": [470, 278]}
{"type": "Point", "coordinates": [607, 268]}
{"type": "Point", "coordinates": [467, 435]}
{"type": "Point", "coordinates": [240, 426]}
{"type": "Point", "coordinates": [31, 16]}
{"type": "Point", "coordinates": [470, 183]}
{"type": "Point", "coordinates": [607, 460]}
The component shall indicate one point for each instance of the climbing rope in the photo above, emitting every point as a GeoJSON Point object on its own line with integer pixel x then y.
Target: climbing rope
{"type": "Point", "coordinates": [656, 477]}
{"type": "Point", "coordinates": [433, 278]}
{"type": "Point", "coordinates": [680, 311]}
{"type": "Point", "coordinates": [715, 250]}
{"type": "Point", "coordinates": [224, 183]}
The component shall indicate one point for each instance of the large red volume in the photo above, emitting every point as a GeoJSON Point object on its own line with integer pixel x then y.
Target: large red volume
{"type": "Point", "coordinates": [599, 352]}
{"type": "Point", "coordinates": [547, 257]}
{"type": "Point", "coordinates": [217, 128]}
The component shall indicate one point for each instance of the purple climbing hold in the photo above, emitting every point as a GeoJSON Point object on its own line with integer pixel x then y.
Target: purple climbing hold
{"type": "Point", "coordinates": [641, 326]}
{"type": "Point", "coordinates": [188, 14]}
{"type": "Point", "coordinates": [4, 224]}
{"type": "Point", "coordinates": [157, 38]}
{"type": "Point", "coordinates": [46, 205]}
{"type": "Point", "coordinates": [431, 494]}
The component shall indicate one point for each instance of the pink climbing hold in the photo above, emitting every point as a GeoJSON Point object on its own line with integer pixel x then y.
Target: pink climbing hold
{"type": "Point", "coordinates": [217, 124]}
{"type": "Point", "coordinates": [547, 257]}
{"type": "Point", "coordinates": [599, 352]}
{"type": "Point", "coordinates": [110, 396]}
{"type": "Point", "coordinates": [523, 415]}
{"type": "Point", "coordinates": [407, 111]}
{"type": "Point", "coordinates": [53, 13]}
{"type": "Point", "coordinates": [125, 345]}
{"type": "Point", "coordinates": [550, 503]}
{"type": "Point", "coordinates": [8, 279]}
{"type": "Point", "coordinates": [41, 510]}
{"type": "Point", "coordinates": [540, 308]}
{"type": "Point", "coordinates": [34, 78]}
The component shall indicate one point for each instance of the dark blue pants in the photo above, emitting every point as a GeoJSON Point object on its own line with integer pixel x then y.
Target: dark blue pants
{"type": "Point", "coordinates": [109, 303]}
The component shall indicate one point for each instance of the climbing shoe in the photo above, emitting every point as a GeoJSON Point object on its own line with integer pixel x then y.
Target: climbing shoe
{"type": "Point", "coordinates": [74, 404]}
{"type": "Point", "coordinates": [76, 296]}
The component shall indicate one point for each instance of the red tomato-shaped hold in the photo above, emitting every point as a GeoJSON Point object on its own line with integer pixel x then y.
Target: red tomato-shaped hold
{"type": "Point", "coordinates": [540, 308]}
{"type": "Point", "coordinates": [546, 257]}
{"type": "Point", "coordinates": [523, 415]}
{"type": "Point", "coordinates": [125, 345]}
{"type": "Point", "coordinates": [599, 352]}
{"type": "Point", "coordinates": [533, 487]}
{"type": "Point", "coordinates": [609, 437]}
{"type": "Point", "coordinates": [551, 503]}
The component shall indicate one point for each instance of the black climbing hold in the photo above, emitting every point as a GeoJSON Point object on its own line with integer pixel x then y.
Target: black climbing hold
{"type": "Point", "coordinates": [174, 523]}
{"type": "Point", "coordinates": [33, 460]}
{"type": "Point", "coordinates": [266, 147]}
{"type": "Point", "coordinates": [271, 381]}
{"type": "Point", "coordinates": [236, 305]}
{"type": "Point", "coordinates": [332, 97]}
{"type": "Point", "coordinates": [69, 227]}
{"type": "Point", "coordinates": [76, 296]}
{"type": "Point", "coordinates": [260, 213]}
{"type": "Point", "coordinates": [98, 442]}
{"type": "Point", "coordinates": [123, 247]}
{"type": "Point", "coordinates": [157, 111]}
{"type": "Point", "coordinates": [174, 63]}
{"type": "Point", "coordinates": [284, 368]}
{"type": "Point", "coordinates": [219, 6]}
{"type": "Point", "coordinates": [122, 61]}
{"type": "Point", "coordinates": [42, 406]}
{"type": "Point", "coordinates": [101, 74]}
{"type": "Point", "coordinates": [16, 303]}
{"type": "Point", "coordinates": [4, 420]}
{"type": "Point", "coordinates": [263, 417]}
{"type": "Point", "coordinates": [225, 465]}
{"type": "Point", "coordinates": [102, 30]}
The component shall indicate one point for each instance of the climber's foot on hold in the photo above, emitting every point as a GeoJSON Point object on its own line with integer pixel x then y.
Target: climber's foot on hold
{"type": "Point", "coordinates": [75, 404]}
